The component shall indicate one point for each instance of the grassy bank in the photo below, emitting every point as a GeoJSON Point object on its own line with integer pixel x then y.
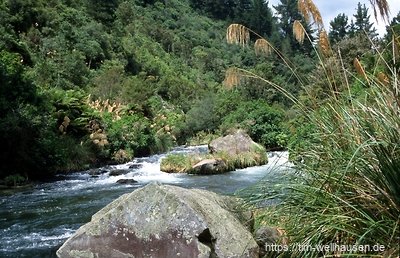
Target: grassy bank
{"type": "Point", "coordinates": [184, 163]}
{"type": "Point", "coordinates": [346, 190]}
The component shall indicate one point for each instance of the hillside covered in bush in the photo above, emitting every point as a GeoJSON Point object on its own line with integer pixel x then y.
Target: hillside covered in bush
{"type": "Point", "coordinates": [89, 82]}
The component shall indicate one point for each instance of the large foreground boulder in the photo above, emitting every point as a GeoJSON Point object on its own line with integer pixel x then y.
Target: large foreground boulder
{"type": "Point", "coordinates": [163, 221]}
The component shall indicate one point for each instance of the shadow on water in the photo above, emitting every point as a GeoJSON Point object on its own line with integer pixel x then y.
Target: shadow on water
{"type": "Point", "coordinates": [34, 222]}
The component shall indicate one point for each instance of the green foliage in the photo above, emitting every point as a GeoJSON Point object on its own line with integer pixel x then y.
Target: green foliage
{"type": "Point", "coordinates": [202, 116]}
{"type": "Point", "coordinates": [362, 23]}
{"type": "Point", "coordinates": [163, 61]}
{"type": "Point", "coordinates": [262, 122]}
{"type": "Point", "coordinates": [183, 163]}
{"type": "Point", "coordinates": [345, 189]}
{"type": "Point", "coordinates": [393, 29]}
{"type": "Point", "coordinates": [131, 132]}
{"type": "Point", "coordinates": [177, 163]}
{"type": "Point", "coordinates": [260, 18]}
{"type": "Point", "coordinates": [15, 85]}
{"type": "Point", "coordinates": [288, 12]}
{"type": "Point", "coordinates": [339, 28]}
{"type": "Point", "coordinates": [14, 180]}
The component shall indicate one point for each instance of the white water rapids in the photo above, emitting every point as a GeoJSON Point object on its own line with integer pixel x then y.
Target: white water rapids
{"type": "Point", "coordinates": [36, 221]}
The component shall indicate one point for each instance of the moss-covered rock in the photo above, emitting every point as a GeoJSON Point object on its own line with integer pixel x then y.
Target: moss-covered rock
{"type": "Point", "coordinates": [226, 154]}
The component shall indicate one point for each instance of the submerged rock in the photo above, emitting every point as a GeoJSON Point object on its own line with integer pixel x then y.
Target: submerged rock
{"type": "Point", "coordinates": [136, 166]}
{"type": "Point", "coordinates": [97, 171]}
{"type": "Point", "coordinates": [163, 221]}
{"type": "Point", "coordinates": [126, 181]}
{"type": "Point", "coordinates": [118, 172]}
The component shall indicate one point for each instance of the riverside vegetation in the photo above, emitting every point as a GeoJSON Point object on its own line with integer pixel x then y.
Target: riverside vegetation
{"type": "Point", "coordinates": [346, 189]}
{"type": "Point", "coordinates": [92, 82]}
{"type": "Point", "coordinates": [85, 83]}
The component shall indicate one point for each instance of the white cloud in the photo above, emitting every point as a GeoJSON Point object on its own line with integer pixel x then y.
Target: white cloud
{"type": "Point", "coordinates": [331, 8]}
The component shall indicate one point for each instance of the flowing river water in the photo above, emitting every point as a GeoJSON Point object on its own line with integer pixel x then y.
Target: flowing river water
{"type": "Point", "coordinates": [35, 222]}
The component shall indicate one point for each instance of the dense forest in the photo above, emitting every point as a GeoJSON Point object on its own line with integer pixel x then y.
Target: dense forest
{"type": "Point", "coordinates": [89, 82]}
{"type": "Point", "coordinates": [86, 83]}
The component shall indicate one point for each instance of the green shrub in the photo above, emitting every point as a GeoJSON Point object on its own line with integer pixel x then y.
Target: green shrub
{"type": "Point", "coordinates": [263, 123]}
{"type": "Point", "coordinates": [346, 192]}
{"type": "Point", "coordinates": [178, 163]}
{"type": "Point", "coordinates": [131, 132]}
{"type": "Point", "coordinates": [14, 180]}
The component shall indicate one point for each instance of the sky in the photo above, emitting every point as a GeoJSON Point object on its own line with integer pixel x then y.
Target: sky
{"type": "Point", "coordinates": [331, 8]}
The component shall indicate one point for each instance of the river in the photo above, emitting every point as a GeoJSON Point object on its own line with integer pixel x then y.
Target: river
{"type": "Point", "coordinates": [36, 221]}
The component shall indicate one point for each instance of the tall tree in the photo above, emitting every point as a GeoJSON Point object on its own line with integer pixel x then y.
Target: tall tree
{"type": "Point", "coordinates": [103, 10]}
{"type": "Point", "coordinates": [393, 28]}
{"type": "Point", "coordinates": [339, 28]}
{"type": "Point", "coordinates": [362, 22]}
{"type": "Point", "coordinates": [288, 12]}
{"type": "Point", "coordinates": [260, 18]}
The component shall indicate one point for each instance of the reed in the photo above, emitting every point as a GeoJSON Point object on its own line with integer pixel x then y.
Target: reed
{"type": "Point", "coordinates": [346, 191]}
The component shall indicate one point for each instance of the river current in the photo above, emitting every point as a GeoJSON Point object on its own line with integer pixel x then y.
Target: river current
{"type": "Point", "coordinates": [35, 222]}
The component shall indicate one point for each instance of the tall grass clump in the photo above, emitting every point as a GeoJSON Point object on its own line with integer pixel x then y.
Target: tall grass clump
{"type": "Point", "coordinates": [345, 194]}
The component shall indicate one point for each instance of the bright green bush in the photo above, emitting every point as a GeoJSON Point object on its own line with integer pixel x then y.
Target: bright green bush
{"type": "Point", "coordinates": [132, 132]}
{"type": "Point", "coordinates": [177, 163]}
{"type": "Point", "coordinates": [263, 123]}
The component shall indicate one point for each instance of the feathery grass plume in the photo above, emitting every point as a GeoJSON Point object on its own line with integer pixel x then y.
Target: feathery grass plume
{"type": "Point", "coordinates": [359, 68]}
{"type": "Point", "coordinates": [308, 9]}
{"type": "Point", "coordinates": [262, 47]}
{"type": "Point", "coordinates": [383, 78]}
{"type": "Point", "coordinates": [237, 34]}
{"type": "Point", "coordinates": [395, 47]}
{"type": "Point", "coordinates": [302, 6]}
{"type": "Point", "coordinates": [345, 191]}
{"type": "Point", "coordinates": [233, 77]}
{"type": "Point", "coordinates": [383, 7]}
{"type": "Point", "coordinates": [298, 31]}
{"type": "Point", "coordinates": [324, 43]}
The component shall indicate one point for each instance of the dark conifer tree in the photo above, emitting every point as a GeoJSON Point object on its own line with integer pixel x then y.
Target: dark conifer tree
{"type": "Point", "coordinates": [362, 22]}
{"type": "Point", "coordinates": [288, 12]}
{"type": "Point", "coordinates": [339, 28]}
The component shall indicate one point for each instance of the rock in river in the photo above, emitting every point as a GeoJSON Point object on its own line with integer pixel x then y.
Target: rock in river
{"type": "Point", "coordinates": [234, 144]}
{"type": "Point", "coordinates": [126, 181]}
{"type": "Point", "coordinates": [118, 172]}
{"type": "Point", "coordinates": [162, 221]}
{"type": "Point", "coordinates": [209, 166]}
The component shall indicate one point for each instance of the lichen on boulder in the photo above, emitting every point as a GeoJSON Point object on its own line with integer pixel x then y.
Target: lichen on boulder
{"type": "Point", "coordinates": [164, 221]}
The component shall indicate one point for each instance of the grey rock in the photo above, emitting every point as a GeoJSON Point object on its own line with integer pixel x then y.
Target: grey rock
{"type": "Point", "coordinates": [126, 181]}
{"type": "Point", "coordinates": [97, 171]}
{"type": "Point", "coordinates": [209, 166]}
{"type": "Point", "coordinates": [118, 172]}
{"type": "Point", "coordinates": [266, 235]}
{"type": "Point", "coordinates": [136, 166]}
{"type": "Point", "coordinates": [233, 144]}
{"type": "Point", "coordinates": [163, 221]}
